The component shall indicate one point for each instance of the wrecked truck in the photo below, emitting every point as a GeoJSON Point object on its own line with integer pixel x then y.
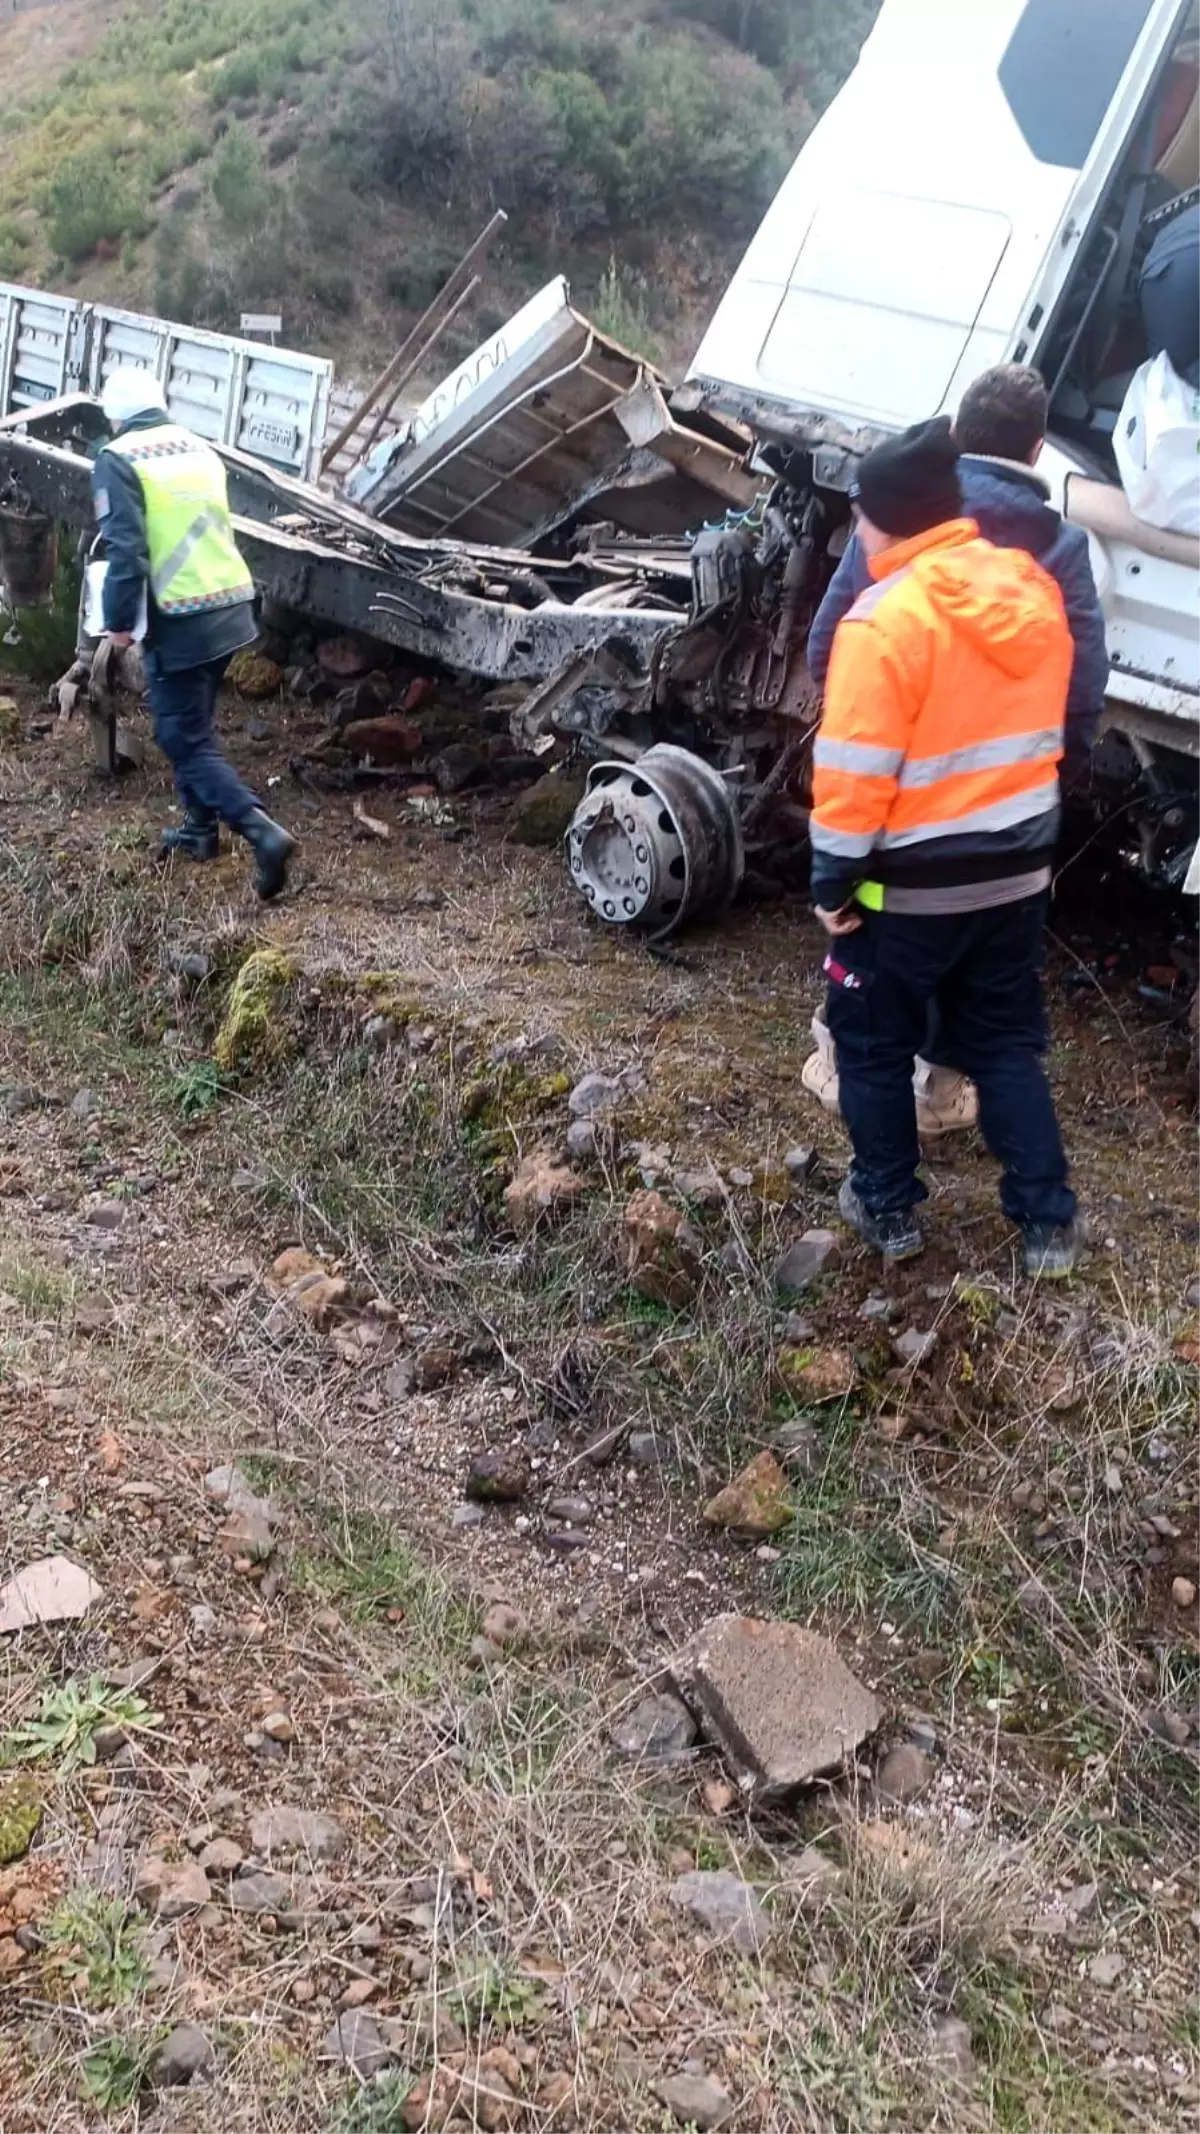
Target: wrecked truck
{"type": "Point", "coordinates": [901, 258]}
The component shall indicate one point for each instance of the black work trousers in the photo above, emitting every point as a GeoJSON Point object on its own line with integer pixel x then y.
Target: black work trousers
{"type": "Point", "coordinates": [184, 704]}
{"type": "Point", "coordinates": [980, 972]}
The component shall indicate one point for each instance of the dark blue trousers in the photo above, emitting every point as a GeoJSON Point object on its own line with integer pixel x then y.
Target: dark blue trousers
{"type": "Point", "coordinates": [184, 705]}
{"type": "Point", "coordinates": [981, 971]}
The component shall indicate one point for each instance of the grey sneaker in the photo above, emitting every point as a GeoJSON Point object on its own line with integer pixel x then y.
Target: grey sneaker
{"type": "Point", "coordinates": [1049, 1250]}
{"type": "Point", "coordinates": [898, 1236]}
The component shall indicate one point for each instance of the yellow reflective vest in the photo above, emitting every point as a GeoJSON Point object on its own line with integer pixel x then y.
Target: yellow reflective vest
{"type": "Point", "coordinates": [195, 564]}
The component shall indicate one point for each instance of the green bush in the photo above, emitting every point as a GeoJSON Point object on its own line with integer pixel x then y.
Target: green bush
{"type": "Point", "coordinates": [40, 642]}
{"type": "Point", "coordinates": [286, 143]}
{"type": "Point", "coordinates": [14, 248]}
{"type": "Point", "coordinates": [90, 201]}
{"type": "Point", "coordinates": [619, 309]}
{"type": "Point", "coordinates": [333, 288]}
{"type": "Point", "coordinates": [705, 138]}
{"type": "Point", "coordinates": [768, 29]}
{"type": "Point", "coordinates": [497, 104]}
{"type": "Point", "coordinates": [821, 38]}
{"type": "Point", "coordinates": [240, 185]}
{"type": "Point", "coordinates": [240, 76]}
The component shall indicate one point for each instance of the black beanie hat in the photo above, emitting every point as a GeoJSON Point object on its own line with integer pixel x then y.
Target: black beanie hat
{"type": "Point", "coordinates": [911, 483]}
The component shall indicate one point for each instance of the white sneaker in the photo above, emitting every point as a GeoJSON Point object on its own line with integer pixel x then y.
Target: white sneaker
{"type": "Point", "coordinates": [947, 1103]}
{"type": "Point", "coordinates": [819, 1074]}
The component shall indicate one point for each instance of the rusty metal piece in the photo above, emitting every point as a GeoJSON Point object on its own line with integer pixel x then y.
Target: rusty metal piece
{"type": "Point", "coordinates": [115, 671]}
{"type": "Point", "coordinates": [28, 556]}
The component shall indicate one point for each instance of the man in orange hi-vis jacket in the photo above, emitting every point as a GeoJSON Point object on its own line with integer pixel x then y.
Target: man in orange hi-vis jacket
{"type": "Point", "coordinates": [935, 813]}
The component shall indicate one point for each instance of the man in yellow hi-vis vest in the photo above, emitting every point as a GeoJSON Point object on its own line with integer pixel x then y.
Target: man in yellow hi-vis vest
{"type": "Point", "coordinates": [163, 511]}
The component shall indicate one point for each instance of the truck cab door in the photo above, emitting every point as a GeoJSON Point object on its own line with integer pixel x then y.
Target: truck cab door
{"type": "Point", "coordinates": [930, 224]}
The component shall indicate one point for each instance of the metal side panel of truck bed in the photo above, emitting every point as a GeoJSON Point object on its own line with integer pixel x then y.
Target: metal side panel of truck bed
{"type": "Point", "coordinates": [932, 221]}
{"type": "Point", "coordinates": [272, 402]}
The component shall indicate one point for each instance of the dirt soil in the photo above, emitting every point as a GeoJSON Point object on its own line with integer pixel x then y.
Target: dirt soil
{"type": "Point", "coordinates": [1000, 1536]}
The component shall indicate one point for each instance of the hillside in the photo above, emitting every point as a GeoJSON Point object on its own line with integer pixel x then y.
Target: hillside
{"type": "Point", "coordinates": [332, 159]}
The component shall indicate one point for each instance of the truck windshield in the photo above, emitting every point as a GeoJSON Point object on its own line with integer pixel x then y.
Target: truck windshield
{"type": "Point", "coordinates": [1062, 69]}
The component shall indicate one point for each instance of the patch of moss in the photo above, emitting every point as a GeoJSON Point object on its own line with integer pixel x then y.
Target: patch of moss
{"type": "Point", "coordinates": [20, 1814]}
{"type": "Point", "coordinates": [252, 1032]}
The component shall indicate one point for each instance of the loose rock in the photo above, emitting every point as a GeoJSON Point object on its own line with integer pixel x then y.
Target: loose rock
{"type": "Point", "coordinates": [106, 1215]}
{"type": "Point", "coordinates": [800, 1163]}
{"type": "Point", "coordinates": [758, 1501]}
{"type": "Point", "coordinates": [575, 1511]}
{"type": "Point", "coordinates": [816, 1375]}
{"type": "Point", "coordinates": [603, 1092]}
{"type": "Point", "coordinates": [503, 1625]}
{"type": "Point", "coordinates": [726, 1906]}
{"type": "Point", "coordinates": [360, 2042]}
{"type": "Point", "coordinates": [541, 1187]}
{"type": "Point", "coordinates": [171, 1890]}
{"type": "Point", "coordinates": [779, 1701]}
{"type": "Point", "coordinates": [662, 1251]}
{"type": "Point", "coordinates": [658, 1729]}
{"type": "Point", "coordinates": [582, 1140]}
{"type": "Point", "coordinates": [501, 1476]}
{"type": "Point", "coordinates": [915, 1347]}
{"type": "Point", "coordinates": [905, 1773]}
{"type": "Point", "coordinates": [260, 1893]}
{"type": "Point", "coordinates": [647, 1448]}
{"type": "Point", "coordinates": [52, 1590]}
{"type": "Point", "coordinates": [543, 814]}
{"type": "Point", "coordinates": [695, 2101]}
{"type": "Point", "coordinates": [1183, 1592]}
{"type": "Point", "coordinates": [306, 1830]}
{"type": "Point", "coordinates": [222, 1857]}
{"type": "Point", "coordinates": [186, 2052]}
{"type": "Point", "coordinates": [813, 1255]}
{"type": "Point", "coordinates": [1106, 1969]}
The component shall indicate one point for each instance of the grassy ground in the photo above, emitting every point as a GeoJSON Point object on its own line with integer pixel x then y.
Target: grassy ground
{"type": "Point", "coordinates": [993, 1539]}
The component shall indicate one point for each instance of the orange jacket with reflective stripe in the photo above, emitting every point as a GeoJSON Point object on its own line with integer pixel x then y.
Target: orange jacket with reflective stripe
{"type": "Point", "coordinates": [936, 759]}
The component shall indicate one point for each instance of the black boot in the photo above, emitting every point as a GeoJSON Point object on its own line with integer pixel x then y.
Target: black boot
{"type": "Point", "coordinates": [197, 837]}
{"type": "Point", "coordinates": [272, 849]}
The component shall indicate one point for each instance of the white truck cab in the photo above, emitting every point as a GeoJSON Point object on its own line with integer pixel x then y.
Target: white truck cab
{"type": "Point", "coordinates": [982, 190]}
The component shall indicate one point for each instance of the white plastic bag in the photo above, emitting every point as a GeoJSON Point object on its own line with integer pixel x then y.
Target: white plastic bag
{"type": "Point", "coordinates": [93, 604]}
{"type": "Point", "coordinates": [1157, 443]}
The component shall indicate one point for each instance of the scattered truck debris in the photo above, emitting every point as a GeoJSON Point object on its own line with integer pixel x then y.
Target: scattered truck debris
{"type": "Point", "coordinates": [551, 420]}
{"type": "Point", "coordinates": [650, 562]}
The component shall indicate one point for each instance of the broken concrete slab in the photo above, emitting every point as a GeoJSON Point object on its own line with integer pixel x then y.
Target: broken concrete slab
{"type": "Point", "coordinates": [778, 1701]}
{"type": "Point", "coordinates": [52, 1590]}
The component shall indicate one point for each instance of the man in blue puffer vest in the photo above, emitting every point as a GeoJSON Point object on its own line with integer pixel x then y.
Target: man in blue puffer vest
{"type": "Point", "coordinates": [1000, 429]}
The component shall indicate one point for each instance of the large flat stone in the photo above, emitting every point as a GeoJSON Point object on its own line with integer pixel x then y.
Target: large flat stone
{"type": "Point", "coordinates": [778, 1701]}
